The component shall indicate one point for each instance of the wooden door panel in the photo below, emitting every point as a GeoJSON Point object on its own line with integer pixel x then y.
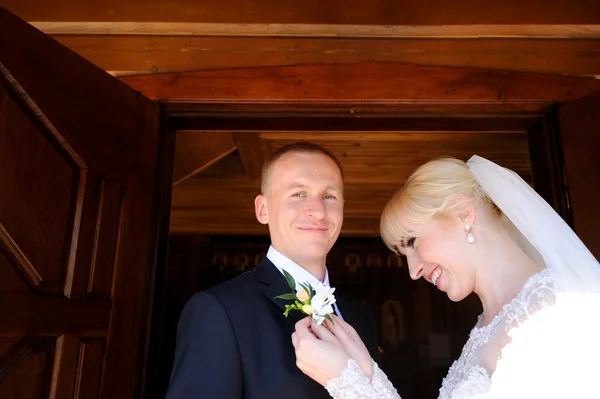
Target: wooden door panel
{"type": "Point", "coordinates": [35, 203]}
{"type": "Point", "coordinates": [10, 280]}
{"type": "Point", "coordinates": [26, 369]}
{"type": "Point", "coordinates": [106, 226]}
{"type": "Point", "coordinates": [87, 384]}
{"type": "Point", "coordinates": [78, 167]}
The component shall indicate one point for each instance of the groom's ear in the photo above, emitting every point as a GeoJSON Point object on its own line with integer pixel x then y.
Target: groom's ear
{"type": "Point", "coordinates": [260, 209]}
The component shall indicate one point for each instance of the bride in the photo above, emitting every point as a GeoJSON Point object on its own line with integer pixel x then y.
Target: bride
{"type": "Point", "coordinates": [478, 227]}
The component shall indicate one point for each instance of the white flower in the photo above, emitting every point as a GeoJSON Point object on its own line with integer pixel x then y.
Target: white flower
{"type": "Point", "coordinates": [322, 302]}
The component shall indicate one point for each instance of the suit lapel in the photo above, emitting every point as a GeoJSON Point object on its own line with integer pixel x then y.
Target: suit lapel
{"type": "Point", "coordinates": [275, 284]}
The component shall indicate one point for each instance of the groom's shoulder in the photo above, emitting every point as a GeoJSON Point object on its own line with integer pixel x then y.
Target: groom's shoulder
{"type": "Point", "coordinates": [245, 286]}
{"type": "Point", "coordinates": [237, 286]}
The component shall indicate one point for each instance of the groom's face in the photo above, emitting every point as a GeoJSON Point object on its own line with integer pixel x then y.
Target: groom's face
{"type": "Point", "coordinates": [303, 204]}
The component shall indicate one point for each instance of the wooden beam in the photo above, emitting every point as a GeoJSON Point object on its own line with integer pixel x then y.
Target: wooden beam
{"type": "Point", "coordinates": [135, 55]}
{"type": "Point", "coordinates": [253, 151]}
{"type": "Point", "coordinates": [320, 30]}
{"type": "Point", "coordinates": [196, 150]}
{"type": "Point", "coordinates": [368, 83]}
{"type": "Point", "coordinates": [334, 12]}
{"type": "Point", "coordinates": [375, 165]}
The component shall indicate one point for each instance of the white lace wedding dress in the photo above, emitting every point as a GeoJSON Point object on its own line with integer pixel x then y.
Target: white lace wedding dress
{"type": "Point", "coordinates": [487, 367]}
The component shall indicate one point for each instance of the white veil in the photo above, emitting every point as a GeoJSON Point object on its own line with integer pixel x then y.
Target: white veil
{"type": "Point", "coordinates": [569, 260]}
{"type": "Point", "coordinates": [559, 352]}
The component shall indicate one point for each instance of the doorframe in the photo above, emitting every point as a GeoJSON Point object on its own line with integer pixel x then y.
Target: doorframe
{"type": "Point", "coordinates": [547, 169]}
{"type": "Point", "coordinates": [373, 96]}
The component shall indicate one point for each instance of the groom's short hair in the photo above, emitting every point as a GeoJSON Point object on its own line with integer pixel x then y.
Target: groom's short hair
{"type": "Point", "coordinates": [298, 147]}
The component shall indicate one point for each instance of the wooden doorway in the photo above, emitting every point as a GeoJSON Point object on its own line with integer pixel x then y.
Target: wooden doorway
{"type": "Point", "coordinates": [381, 130]}
{"type": "Point", "coordinates": [81, 224]}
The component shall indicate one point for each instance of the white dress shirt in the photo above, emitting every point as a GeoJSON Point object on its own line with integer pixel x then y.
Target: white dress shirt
{"type": "Point", "coordinates": [299, 274]}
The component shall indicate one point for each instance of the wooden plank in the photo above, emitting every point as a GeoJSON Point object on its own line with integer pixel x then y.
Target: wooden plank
{"type": "Point", "coordinates": [65, 367]}
{"type": "Point", "coordinates": [253, 151]}
{"type": "Point", "coordinates": [543, 31]}
{"type": "Point", "coordinates": [371, 83]}
{"type": "Point", "coordinates": [369, 12]}
{"type": "Point", "coordinates": [375, 165]}
{"type": "Point", "coordinates": [196, 150]}
{"type": "Point", "coordinates": [129, 55]}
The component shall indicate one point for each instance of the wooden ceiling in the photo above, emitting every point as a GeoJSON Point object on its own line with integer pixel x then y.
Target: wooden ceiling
{"type": "Point", "coordinates": [128, 37]}
{"type": "Point", "coordinates": [381, 121]}
{"type": "Point", "coordinates": [220, 198]}
{"type": "Point", "coordinates": [244, 46]}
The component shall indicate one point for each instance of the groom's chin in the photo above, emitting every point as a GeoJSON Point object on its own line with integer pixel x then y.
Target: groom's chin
{"type": "Point", "coordinates": [315, 249]}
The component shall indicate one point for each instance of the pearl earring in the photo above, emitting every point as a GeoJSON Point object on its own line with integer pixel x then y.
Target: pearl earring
{"type": "Point", "coordinates": [470, 238]}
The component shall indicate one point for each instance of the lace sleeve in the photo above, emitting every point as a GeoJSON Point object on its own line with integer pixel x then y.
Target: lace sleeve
{"type": "Point", "coordinates": [551, 351]}
{"type": "Point", "coordinates": [352, 384]}
{"type": "Point", "coordinates": [382, 385]}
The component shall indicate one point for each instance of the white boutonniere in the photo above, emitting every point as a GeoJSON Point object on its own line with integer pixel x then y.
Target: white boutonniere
{"type": "Point", "coordinates": [316, 302]}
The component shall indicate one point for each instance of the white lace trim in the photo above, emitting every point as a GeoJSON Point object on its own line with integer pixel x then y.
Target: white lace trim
{"type": "Point", "coordinates": [466, 378]}
{"type": "Point", "coordinates": [465, 374]}
{"type": "Point", "coordinates": [353, 384]}
{"type": "Point", "coordinates": [382, 385]}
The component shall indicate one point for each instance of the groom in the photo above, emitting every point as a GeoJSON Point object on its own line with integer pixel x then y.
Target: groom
{"type": "Point", "coordinates": [233, 340]}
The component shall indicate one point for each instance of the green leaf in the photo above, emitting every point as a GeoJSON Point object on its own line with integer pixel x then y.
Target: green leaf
{"type": "Point", "coordinates": [328, 317]}
{"type": "Point", "coordinates": [290, 280]}
{"type": "Point", "coordinates": [286, 296]}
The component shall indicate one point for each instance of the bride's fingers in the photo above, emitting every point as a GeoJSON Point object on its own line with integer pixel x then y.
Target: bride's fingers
{"type": "Point", "coordinates": [322, 333]}
{"type": "Point", "coordinates": [303, 329]}
{"type": "Point", "coordinates": [345, 326]}
{"type": "Point", "coordinates": [344, 336]}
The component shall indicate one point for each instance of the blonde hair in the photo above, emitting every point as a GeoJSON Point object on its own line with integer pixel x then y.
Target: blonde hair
{"type": "Point", "coordinates": [429, 193]}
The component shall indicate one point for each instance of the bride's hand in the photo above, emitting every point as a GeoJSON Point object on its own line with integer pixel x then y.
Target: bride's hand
{"type": "Point", "coordinates": [352, 344]}
{"type": "Point", "coordinates": [319, 354]}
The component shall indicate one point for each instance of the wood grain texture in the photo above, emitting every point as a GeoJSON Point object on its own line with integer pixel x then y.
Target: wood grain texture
{"type": "Point", "coordinates": [130, 55]}
{"type": "Point", "coordinates": [47, 210]}
{"type": "Point", "coordinates": [253, 151]}
{"type": "Point", "coordinates": [76, 220]}
{"type": "Point", "coordinates": [370, 12]}
{"type": "Point", "coordinates": [375, 165]}
{"type": "Point", "coordinates": [537, 31]}
{"type": "Point", "coordinates": [196, 150]}
{"type": "Point", "coordinates": [367, 83]}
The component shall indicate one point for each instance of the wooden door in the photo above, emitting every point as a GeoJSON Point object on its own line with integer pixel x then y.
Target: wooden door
{"type": "Point", "coordinates": [580, 132]}
{"type": "Point", "coordinates": [78, 211]}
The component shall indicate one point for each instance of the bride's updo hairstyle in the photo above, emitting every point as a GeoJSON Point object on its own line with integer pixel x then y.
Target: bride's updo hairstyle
{"type": "Point", "coordinates": [429, 193]}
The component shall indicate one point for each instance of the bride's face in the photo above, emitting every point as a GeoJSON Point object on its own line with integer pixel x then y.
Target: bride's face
{"type": "Point", "coordinates": [436, 253]}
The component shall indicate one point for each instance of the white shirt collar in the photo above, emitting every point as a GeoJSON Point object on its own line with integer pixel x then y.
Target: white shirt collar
{"type": "Point", "coordinates": [299, 274]}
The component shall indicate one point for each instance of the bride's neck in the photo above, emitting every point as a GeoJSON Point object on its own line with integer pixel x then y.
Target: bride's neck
{"type": "Point", "coordinates": [501, 279]}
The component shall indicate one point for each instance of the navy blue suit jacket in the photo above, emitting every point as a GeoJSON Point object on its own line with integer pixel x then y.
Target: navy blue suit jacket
{"type": "Point", "coordinates": [234, 342]}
